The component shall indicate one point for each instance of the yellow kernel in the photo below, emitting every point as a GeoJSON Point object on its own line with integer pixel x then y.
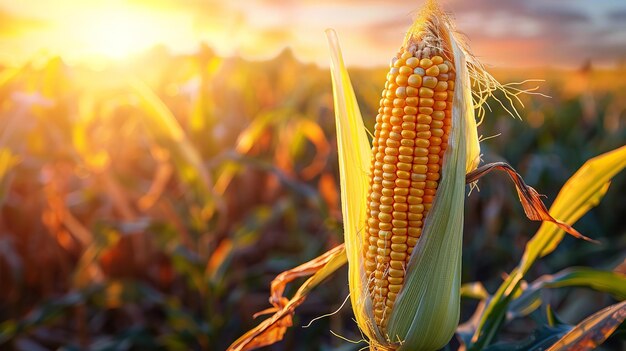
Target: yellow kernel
{"type": "Point", "coordinates": [402, 165]}
{"type": "Point", "coordinates": [401, 207]}
{"type": "Point", "coordinates": [398, 232]}
{"type": "Point", "coordinates": [412, 62]}
{"type": "Point", "coordinates": [439, 105]}
{"type": "Point", "coordinates": [384, 226]}
{"type": "Point", "coordinates": [409, 118]}
{"type": "Point", "coordinates": [428, 102]}
{"type": "Point", "coordinates": [415, 217]}
{"type": "Point", "coordinates": [391, 151]}
{"type": "Point", "coordinates": [425, 63]}
{"type": "Point", "coordinates": [415, 231]}
{"type": "Point", "coordinates": [437, 133]}
{"type": "Point", "coordinates": [425, 110]}
{"type": "Point", "coordinates": [398, 247]}
{"type": "Point", "coordinates": [421, 143]}
{"type": "Point", "coordinates": [401, 191]}
{"type": "Point", "coordinates": [400, 201]}
{"type": "Point", "coordinates": [402, 183]}
{"type": "Point", "coordinates": [383, 252]}
{"type": "Point", "coordinates": [420, 160]}
{"type": "Point", "coordinates": [430, 185]}
{"type": "Point", "coordinates": [401, 92]}
{"type": "Point", "coordinates": [409, 134]}
{"type": "Point", "coordinates": [384, 217]}
{"type": "Point", "coordinates": [385, 208]}
{"type": "Point", "coordinates": [420, 168]}
{"type": "Point", "coordinates": [405, 150]}
{"type": "Point", "coordinates": [386, 200]}
{"type": "Point", "coordinates": [416, 208]}
{"type": "Point", "coordinates": [417, 178]}
{"type": "Point", "coordinates": [405, 70]}
{"type": "Point", "coordinates": [403, 175]}
{"type": "Point", "coordinates": [424, 135]}
{"type": "Point", "coordinates": [390, 159]}
{"type": "Point", "coordinates": [415, 80]}
{"type": "Point", "coordinates": [429, 82]}
{"type": "Point", "coordinates": [405, 158]}
{"type": "Point", "coordinates": [433, 71]}
{"type": "Point", "coordinates": [443, 68]}
{"type": "Point", "coordinates": [441, 96]}
{"type": "Point", "coordinates": [426, 92]}
{"type": "Point", "coordinates": [400, 222]}
{"type": "Point", "coordinates": [396, 264]}
{"type": "Point", "coordinates": [398, 216]}
{"type": "Point", "coordinates": [411, 91]}
{"type": "Point", "coordinates": [410, 110]}
{"type": "Point", "coordinates": [438, 115]}
{"type": "Point", "coordinates": [396, 273]}
{"type": "Point", "coordinates": [398, 102]}
{"type": "Point", "coordinates": [414, 200]}
{"type": "Point", "coordinates": [412, 101]}
{"type": "Point", "coordinates": [395, 280]}
{"type": "Point", "coordinates": [424, 119]}
{"type": "Point", "coordinates": [432, 176]}
{"type": "Point", "coordinates": [401, 80]}
{"type": "Point", "coordinates": [441, 86]}
{"type": "Point", "coordinates": [395, 287]}
{"type": "Point", "coordinates": [408, 126]}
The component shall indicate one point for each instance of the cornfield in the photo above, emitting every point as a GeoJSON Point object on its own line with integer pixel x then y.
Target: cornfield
{"type": "Point", "coordinates": [150, 203]}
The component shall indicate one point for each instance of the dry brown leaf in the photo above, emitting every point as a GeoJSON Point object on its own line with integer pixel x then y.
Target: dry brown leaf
{"type": "Point", "coordinates": [272, 329]}
{"type": "Point", "coordinates": [531, 200]}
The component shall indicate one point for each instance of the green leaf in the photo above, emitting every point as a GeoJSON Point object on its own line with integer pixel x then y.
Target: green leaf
{"type": "Point", "coordinates": [580, 193]}
{"type": "Point", "coordinates": [604, 281]}
{"type": "Point", "coordinates": [475, 290]}
{"type": "Point", "coordinates": [594, 330]}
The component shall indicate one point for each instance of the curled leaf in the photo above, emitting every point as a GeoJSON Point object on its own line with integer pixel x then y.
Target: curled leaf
{"type": "Point", "coordinates": [531, 200]}
{"type": "Point", "coordinates": [272, 329]}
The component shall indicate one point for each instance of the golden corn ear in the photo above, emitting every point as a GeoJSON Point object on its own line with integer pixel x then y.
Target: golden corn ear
{"type": "Point", "coordinates": [411, 136]}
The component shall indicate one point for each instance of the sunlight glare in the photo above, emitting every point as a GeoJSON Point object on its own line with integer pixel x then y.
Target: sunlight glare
{"type": "Point", "coordinates": [121, 34]}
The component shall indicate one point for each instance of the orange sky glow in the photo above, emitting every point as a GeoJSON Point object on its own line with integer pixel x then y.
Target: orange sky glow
{"type": "Point", "coordinates": [502, 32]}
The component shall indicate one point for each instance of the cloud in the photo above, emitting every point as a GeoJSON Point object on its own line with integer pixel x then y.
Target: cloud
{"type": "Point", "coordinates": [619, 17]}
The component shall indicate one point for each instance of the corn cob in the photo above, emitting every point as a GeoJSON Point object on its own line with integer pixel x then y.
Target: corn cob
{"type": "Point", "coordinates": [410, 138]}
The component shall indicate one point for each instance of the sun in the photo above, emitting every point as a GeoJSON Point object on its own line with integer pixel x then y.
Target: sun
{"type": "Point", "coordinates": [120, 34]}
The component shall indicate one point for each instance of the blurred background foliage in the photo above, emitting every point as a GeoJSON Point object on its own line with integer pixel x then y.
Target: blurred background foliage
{"type": "Point", "coordinates": [148, 205]}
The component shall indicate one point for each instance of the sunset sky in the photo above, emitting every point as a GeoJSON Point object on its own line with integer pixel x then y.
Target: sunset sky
{"type": "Point", "coordinates": [501, 32]}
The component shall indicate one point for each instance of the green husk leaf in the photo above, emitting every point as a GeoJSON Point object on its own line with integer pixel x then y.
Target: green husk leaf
{"type": "Point", "coordinates": [426, 312]}
{"type": "Point", "coordinates": [354, 160]}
